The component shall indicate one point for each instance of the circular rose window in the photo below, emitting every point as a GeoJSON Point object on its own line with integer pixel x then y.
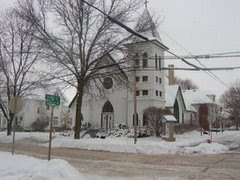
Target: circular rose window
{"type": "Point", "coordinates": [108, 83]}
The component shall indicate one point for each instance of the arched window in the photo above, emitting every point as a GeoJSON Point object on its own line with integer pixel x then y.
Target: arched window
{"type": "Point", "coordinates": [156, 61]}
{"type": "Point", "coordinates": [107, 107]}
{"type": "Point", "coordinates": [137, 61]}
{"type": "Point", "coordinates": [133, 119]}
{"type": "Point", "coordinates": [176, 110]}
{"type": "Point", "coordinates": [145, 60]}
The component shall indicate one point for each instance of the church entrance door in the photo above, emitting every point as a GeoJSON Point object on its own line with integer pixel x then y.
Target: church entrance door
{"type": "Point", "coordinates": [107, 120]}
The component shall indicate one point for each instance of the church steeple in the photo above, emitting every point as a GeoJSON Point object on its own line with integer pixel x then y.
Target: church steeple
{"type": "Point", "coordinates": [145, 24]}
{"type": "Point", "coordinates": [146, 2]}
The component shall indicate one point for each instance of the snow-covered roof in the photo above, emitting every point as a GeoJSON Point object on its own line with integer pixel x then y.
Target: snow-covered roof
{"type": "Point", "coordinates": [170, 95]}
{"type": "Point", "coordinates": [189, 107]}
{"type": "Point", "coordinates": [170, 118]}
{"type": "Point", "coordinates": [197, 96]}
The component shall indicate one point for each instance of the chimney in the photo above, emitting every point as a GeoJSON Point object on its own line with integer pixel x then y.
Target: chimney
{"type": "Point", "coordinates": [171, 80]}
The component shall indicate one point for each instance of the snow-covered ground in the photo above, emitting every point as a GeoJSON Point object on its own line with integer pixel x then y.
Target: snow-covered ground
{"type": "Point", "coordinates": [20, 167]}
{"type": "Point", "coordinates": [187, 143]}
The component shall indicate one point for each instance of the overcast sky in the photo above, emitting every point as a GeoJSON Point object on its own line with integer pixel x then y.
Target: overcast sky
{"type": "Point", "coordinates": [201, 27]}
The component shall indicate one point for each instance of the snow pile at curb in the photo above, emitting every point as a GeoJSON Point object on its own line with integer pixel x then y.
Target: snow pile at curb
{"type": "Point", "coordinates": [187, 143]}
{"type": "Point", "coordinates": [35, 136]}
{"type": "Point", "coordinates": [148, 145]}
{"type": "Point", "coordinates": [207, 148]}
{"type": "Point", "coordinates": [20, 167]}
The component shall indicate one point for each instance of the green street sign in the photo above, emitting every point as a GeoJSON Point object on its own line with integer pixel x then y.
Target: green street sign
{"type": "Point", "coordinates": [52, 100]}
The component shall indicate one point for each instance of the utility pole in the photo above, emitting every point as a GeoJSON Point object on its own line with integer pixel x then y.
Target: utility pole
{"type": "Point", "coordinates": [50, 134]}
{"type": "Point", "coordinates": [135, 103]}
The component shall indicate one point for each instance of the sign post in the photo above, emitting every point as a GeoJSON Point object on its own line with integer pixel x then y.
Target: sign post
{"type": "Point", "coordinates": [51, 100]}
{"type": "Point", "coordinates": [15, 106]}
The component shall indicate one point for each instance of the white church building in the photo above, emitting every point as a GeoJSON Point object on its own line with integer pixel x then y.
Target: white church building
{"type": "Point", "coordinates": [117, 106]}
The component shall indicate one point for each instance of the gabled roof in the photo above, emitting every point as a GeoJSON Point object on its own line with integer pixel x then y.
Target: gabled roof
{"type": "Point", "coordinates": [189, 107]}
{"type": "Point", "coordinates": [197, 96]}
{"type": "Point", "coordinates": [170, 95]}
{"type": "Point", "coordinates": [171, 92]}
{"type": "Point", "coordinates": [102, 63]}
{"type": "Point", "coordinates": [169, 118]}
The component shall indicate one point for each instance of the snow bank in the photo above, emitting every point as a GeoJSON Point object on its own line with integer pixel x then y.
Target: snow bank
{"type": "Point", "coordinates": [186, 143]}
{"type": "Point", "coordinates": [35, 136]}
{"type": "Point", "coordinates": [20, 167]}
{"type": "Point", "coordinates": [207, 148]}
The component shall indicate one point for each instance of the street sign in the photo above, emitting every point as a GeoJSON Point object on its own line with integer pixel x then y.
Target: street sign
{"type": "Point", "coordinates": [52, 100]}
{"type": "Point", "coordinates": [15, 105]}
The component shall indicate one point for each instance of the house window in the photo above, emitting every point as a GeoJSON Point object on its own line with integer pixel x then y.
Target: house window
{"type": "Point", "coordinates": [20, 119]}
{"type": "Point", "coordinates": [137, 93]}
{"type": "Point", "coordinates": [137, 79]}
{"type": "Point", "coordinates": [160, 80]}
{"type": "Point", "coordinates": [145, 60]}
{"type": "Point", "coordinates": [145, 92]}
{"type": "Point", "coordinates": [145, 78]}
{"type": "Point", "coordinates": [160, 67]}
{"type": "Point", "coordinates": [160, 93]}
{"type": "Point", "coordinates": [156, 79]}
{"type": "Point", "coordinates": [137, 61]}
{"type": "Point", "coordinates": [55, 121]}
{"type": "Point", "coordinates": [156, 93]}
{"type": "Point", "coordinates": [156, 61]}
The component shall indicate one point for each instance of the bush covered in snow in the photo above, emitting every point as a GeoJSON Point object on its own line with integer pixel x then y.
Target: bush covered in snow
{"type": "Point", "coordinates": [40, 124]}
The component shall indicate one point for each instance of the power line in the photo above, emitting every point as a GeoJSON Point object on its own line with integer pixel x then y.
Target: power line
{"type": "Point", "coordinates": [138, 34]}
{"type": "Point", "coordinates": [211, 74]}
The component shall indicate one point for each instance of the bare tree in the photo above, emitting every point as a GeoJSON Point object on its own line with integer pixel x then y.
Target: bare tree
{"type": "Point", "coordinates": [185, 84]}
{"type": "Point", "coordinates": [78, 36]}
{"type": "Point", "coordinates": [231, 102]}
{"type": "Point", "coordinates": [18, 55]}
{"type": "Point", "coordinates": [153, 117]}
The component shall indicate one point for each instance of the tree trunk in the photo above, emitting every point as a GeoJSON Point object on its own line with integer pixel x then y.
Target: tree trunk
{"type": "Point", "coordinates": [237, 127]}
{"type": "Point", "coordinates": [78, 110]}
{"type": "Point", "coordinates": [9, 124]}
{"type": "Point", "coordinates": [9, 128]}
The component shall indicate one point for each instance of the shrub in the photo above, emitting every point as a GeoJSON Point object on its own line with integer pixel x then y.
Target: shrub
{"type": "Point", "coordinates": [40, 124]}
{"type": "Point", "coordinates": [153, 117]}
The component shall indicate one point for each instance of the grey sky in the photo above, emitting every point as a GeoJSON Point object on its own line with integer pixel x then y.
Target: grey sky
{"type": "Point", "coordinates": [201, 26]}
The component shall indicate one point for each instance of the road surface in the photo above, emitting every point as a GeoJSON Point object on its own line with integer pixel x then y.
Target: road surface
{"type": "Point", "coordinates": [109, 165]}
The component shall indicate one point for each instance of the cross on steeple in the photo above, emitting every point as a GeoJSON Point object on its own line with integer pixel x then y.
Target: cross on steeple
{"type": "Point", "coordinates": [146, 2]}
